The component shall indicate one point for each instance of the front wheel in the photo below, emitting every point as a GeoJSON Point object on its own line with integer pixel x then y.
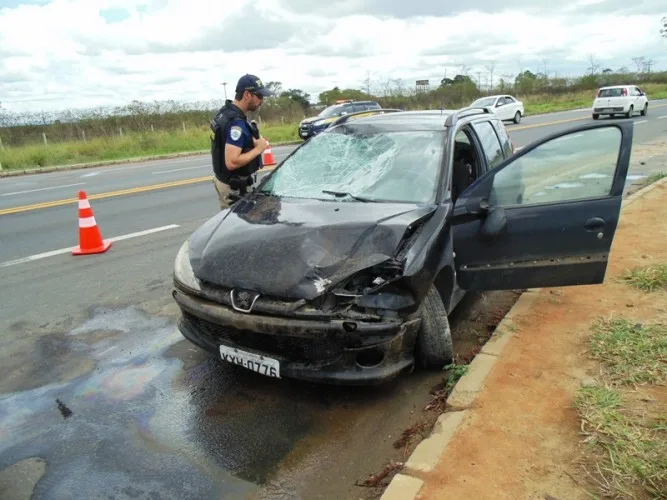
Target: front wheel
{"type": "Point", "coordinates": [645, 110]}
{"type": "Point", "coordinates": [595, 116]}
{"type": "Point", "coordinates": [434, 348]}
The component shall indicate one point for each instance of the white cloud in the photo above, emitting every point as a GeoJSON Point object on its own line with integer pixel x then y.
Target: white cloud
{"type": "Point", "coordinates": [79, 53]}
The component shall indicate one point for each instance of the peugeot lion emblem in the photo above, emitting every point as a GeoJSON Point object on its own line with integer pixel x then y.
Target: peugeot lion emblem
{"type": "Point", "coordinates": [243, 300]}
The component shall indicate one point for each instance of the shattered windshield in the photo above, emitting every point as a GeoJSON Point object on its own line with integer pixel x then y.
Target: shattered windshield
{"type": "Point", "coordinates": [348, 164]}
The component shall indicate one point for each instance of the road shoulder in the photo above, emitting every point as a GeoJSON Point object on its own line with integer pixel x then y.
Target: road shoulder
{"type": "Point", "coordinates": [510, 419]}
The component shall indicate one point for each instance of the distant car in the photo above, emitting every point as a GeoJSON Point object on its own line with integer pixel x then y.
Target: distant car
{"type": "Point", "coordinates": [620, 100]}
{"type": "Point", "coordinates": [346, 261]}
{"type": "Point", "coordinates": [313, 126]}
{"type": "Point", "coordinates": [505, 107]}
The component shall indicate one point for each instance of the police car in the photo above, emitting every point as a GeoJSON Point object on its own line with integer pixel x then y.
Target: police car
{"type": "Point", "coordinates": [314, 125]}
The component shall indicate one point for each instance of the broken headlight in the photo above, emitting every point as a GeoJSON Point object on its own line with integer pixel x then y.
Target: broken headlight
{"type": "Point", "coordinates": [183, 272]}
{"type": "Point", "coordinates": [369, 280]}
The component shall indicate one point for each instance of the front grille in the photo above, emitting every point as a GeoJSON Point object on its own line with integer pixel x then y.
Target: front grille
{"type": "Point", "coordinates": [297, 349]}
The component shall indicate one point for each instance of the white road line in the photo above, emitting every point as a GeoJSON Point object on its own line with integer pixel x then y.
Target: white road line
{"type": "Point", "coordinates": [662, 117]}
{"type": "Point", "coordinates": [179, 169]}
{"type": "Point", "coordinates": [43, 189]}
{"type": "Point", "coordinates": [641, 121]}
{"type": "Point", "coordinates": [67, 250]}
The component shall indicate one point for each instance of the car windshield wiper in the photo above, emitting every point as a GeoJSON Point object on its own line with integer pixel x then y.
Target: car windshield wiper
{"type": "Point", "coordinates": [343, 193]}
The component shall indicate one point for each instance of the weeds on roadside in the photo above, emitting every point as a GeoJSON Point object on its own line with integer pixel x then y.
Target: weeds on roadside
{"type": "Point", "coordinates": [655, 177]}
{"type": "Point", "coordinates": [631, 352]}
{"type": "Point", "coordinates": [635, 446]}
{"type": "Point", "coordinates": [631, 430]}
{"type": "Point", "coordinates": [648, 278]}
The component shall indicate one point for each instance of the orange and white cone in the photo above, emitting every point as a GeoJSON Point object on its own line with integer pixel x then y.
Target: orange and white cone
{"type": "Point", "coordinates": [90, 238]}
{"type": "Point", "coordinates": [268, 159]}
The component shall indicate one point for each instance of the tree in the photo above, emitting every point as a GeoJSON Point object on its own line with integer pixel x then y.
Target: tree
{"type": "Point", "coordinates": [329, 97]}
{"type": "Point", "coordinates": [593, 65]}
{"type": "Point", "coordinates": [663, 30]}
{"type": "Point", "coordinates": [298, 96]}
{"type": "Point", "coordinates": [640, 62]}
{"type": "Point", "coordinates": [276, 87]}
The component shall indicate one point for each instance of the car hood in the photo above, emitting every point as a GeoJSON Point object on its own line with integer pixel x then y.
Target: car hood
{"type": "Point", "coordinates": [296, 249]}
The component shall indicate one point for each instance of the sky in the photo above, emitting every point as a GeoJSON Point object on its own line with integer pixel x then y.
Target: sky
{"type": "Point", "coordinates": [67, 54]}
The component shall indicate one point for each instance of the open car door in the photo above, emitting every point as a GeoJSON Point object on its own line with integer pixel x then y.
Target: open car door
{"type": "Point", "coordinates": [547, 215]}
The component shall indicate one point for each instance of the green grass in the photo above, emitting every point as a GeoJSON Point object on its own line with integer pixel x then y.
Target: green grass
{"type": "Point", "coordinates": [634, 445]}
{"type": "Point", "coordinates": [647, 278]}
{"type": "Point", "coordinates": [655, 177]}
{"type": "Point", "coordinates": [130, 145]}
{"type": "Point", "coordinates": [631, 352]}
{"type": "Point", "coordinates": [133, 145]}
{"type": "Point", "coordinates": [627, 431]}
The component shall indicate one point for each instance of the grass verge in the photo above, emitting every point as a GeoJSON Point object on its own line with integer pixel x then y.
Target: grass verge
{"type": "Point", "coordinates": [626, 426]}
{"type": "Point", "coordinates": [147, 144]}
{"type": "Point", "coordinates": [130, 145]}
{"type": "Point", "coordinates": [647, 278]}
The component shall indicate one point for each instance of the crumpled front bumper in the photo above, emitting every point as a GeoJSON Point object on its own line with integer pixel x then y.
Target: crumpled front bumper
{"type": "Point", "coordinates": [348, 352]}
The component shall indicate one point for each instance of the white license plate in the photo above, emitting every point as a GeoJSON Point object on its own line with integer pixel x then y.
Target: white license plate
{"type": "Point", "coordinates": [260, 364]}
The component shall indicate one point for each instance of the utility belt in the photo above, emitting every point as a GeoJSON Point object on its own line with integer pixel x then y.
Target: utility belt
{"type": "Point", "coordinates": [238, 182]}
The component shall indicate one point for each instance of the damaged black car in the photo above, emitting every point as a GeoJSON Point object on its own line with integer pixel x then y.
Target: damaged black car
{"type": "Point", "coordinates": [345, 262]}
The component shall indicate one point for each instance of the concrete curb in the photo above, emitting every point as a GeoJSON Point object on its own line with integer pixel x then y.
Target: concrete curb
{"type": "Point", "coordinates": [138, 159]}
{"type": "Point", "coordinates": [407, 484]}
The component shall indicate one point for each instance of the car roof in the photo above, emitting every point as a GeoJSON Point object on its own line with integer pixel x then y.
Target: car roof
{"type": "Point", "coordinates": [616, 87]}
{"type": "Point", "coordinates": [432, 119]}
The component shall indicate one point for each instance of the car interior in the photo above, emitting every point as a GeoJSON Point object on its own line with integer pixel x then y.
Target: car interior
{"type": "Point", "coordinates": [465, 168]}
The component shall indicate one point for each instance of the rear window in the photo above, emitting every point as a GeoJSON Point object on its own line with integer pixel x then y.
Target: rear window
{"type": "Point", "coordinates": [611, 93]}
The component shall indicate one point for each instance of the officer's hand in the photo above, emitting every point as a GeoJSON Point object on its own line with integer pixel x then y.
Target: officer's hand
{"type": "Point", "coordinates": [260, 143]}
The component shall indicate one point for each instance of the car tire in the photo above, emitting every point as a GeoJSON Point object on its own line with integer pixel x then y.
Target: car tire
{"type": "Point", "coordinates": [434, 347]}
{"type": "Point", "coordinates": [595, 116]}
{"type": "Point", "coordinates": [630, 112]}
{"type": "Point", "coordinates": [645, 110]}
{"type": "Point", "coordinates": [517, 117]}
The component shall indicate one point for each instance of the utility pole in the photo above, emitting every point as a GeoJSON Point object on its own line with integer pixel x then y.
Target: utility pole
{"type": "Point", "coordinates": [224, 86]}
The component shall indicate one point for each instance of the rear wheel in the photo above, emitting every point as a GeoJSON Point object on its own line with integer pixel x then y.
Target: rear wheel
{"type": "Point", "coordinates": [630, 112]}
{"type": "Point", "coordinates": [517, 117]}
{"type": "Point", "coordinates": [645, 110]}
{"type": "Point", "coordinates": [434, 348]}
{"type": "Point", "coordinates": [595, 116]}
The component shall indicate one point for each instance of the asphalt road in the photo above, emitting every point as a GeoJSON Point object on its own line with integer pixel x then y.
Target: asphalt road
{"type": "Point", "coordinates": [99, 394]}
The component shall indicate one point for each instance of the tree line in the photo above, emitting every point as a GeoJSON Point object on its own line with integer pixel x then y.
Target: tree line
{"type": "Point", "coordinates": [289, 106]}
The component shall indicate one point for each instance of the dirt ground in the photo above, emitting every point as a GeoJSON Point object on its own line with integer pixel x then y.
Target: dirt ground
{"type": "Point", "coordinates": [522, 439]}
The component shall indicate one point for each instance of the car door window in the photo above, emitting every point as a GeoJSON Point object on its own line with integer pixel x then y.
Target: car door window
{"type": "Point", "coordinates": [504, 137]}
{"type": "Point", "coordinates": [490, 143]}
{"type": "Point", "coordinates": [576, 166]}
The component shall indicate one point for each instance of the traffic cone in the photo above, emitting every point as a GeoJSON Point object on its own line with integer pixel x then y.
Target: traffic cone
{"type": "Point", "coordinates": [268, 159]}
{"type": "Point", "coordinates": [90, 239]}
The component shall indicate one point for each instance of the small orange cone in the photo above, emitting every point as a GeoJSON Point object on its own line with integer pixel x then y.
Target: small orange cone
{"type": "Point", "coordinates": [90, 239]}
{"type": "Point", "coordinates": [268, 159]}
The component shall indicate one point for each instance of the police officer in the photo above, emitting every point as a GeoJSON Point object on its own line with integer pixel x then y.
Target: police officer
{"type": "Point", "coordinates": [236, 146]}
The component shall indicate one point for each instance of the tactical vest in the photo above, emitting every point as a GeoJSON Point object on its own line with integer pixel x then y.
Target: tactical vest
{"type": "Point", "coordinates": [219, 125]}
